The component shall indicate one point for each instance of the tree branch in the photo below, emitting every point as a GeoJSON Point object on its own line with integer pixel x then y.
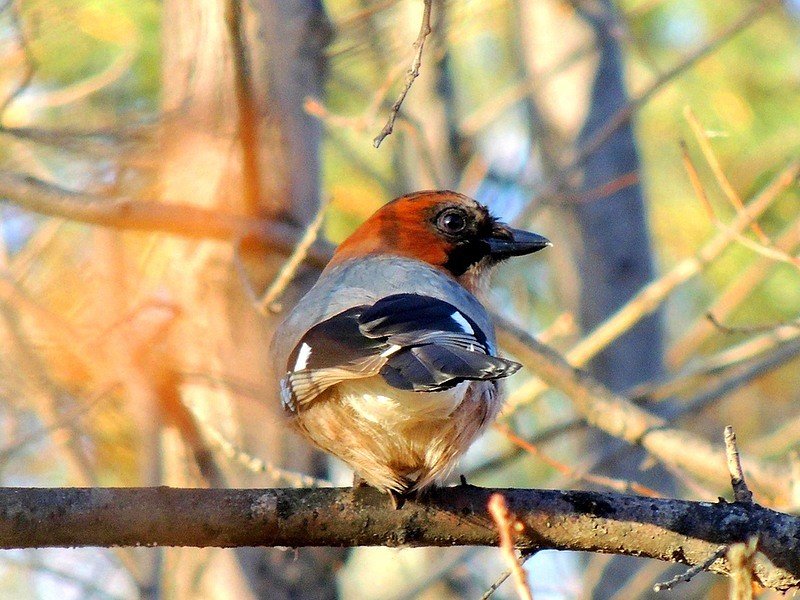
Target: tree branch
{"type": "Point", "coordinates": [669, 530]}
{"type": "Point", "coordinates": [44, 198]}
{"type": "Point", "coordinates": [619, 417]}
{"type": "Point", "coordinates": [411, 75]}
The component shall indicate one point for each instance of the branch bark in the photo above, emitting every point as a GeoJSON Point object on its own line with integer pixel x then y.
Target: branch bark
{"type": "Point", "coordinates": [669, 530]}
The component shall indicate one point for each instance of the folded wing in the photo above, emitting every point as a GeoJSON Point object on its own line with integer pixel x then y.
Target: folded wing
{"type": "Point", "coordinates": [414, 342]}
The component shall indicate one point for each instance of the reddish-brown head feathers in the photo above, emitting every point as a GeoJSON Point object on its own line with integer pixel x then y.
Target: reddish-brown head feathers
{"type": "Point", "coordinates": [407, 227]}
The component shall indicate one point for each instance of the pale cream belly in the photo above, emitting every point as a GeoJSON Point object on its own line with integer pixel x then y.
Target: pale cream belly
{"type": "Point", "coordinates": [399, 440]}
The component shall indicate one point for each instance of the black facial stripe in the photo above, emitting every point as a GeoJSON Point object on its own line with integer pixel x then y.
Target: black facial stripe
{"type": "Point", "coordinates": [465, 255]}
{"type": "Point", "coordinates": [467, 247]}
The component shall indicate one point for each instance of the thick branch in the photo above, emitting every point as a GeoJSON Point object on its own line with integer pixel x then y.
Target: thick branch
{"type": "Point", "coordinates": [669, 530]}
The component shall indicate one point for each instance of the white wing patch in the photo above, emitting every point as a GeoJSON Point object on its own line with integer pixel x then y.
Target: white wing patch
{"type": "Point", "coordinates": [462, 322]}
{"type": "Point", "coordinates": [302, 357]}
{"type": "Point", "coordinates": [390, 350]}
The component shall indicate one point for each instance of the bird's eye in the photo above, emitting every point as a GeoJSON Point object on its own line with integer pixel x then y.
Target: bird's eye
{"type": "Point", "coordinates": [452, 221]}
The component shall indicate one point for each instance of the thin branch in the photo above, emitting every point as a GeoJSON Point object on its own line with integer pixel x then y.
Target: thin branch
{"type": "Point", "coordinates": [689, 574]}
{"type": "Point", "coordinates": [766, 327]}
{"type": "Point", "coordinates": [627, 112]}
{"type": "Point", "coordinates": [724, 183]}
{"type": "Point", "coordinates": [411, 75]}
{"type": "Point", "coordinates": [649, 298]}
{"type": "Point", "coordinates": [269, 300]}
{"type": "Point", "coordinates": [618, 485]}
{"type": "Point", "coordinates": [45, 198]}
{"type": "Point", "coordinates": [621, 418]}
{"type": "Point", "coordinates": [741, 493]}
{"type": "Point", "coordinates": [756, 367]}
{"type": "Point", "coordinates": [669, 530]}
{"type": "Point", "coordinates": [740, 558]}
{"type": "Point", "coordinates": [719, 389]}
{"type": "Point", "coordinates": [508, 528]}
{"type": "Point", "coordinates": [542, 437]}
{"type": "Point", "coordinates": [253, 463]}
{"type": "Point", "coordinates": [767, 249]}
{"type": "Point", "coordinates": [501, 579]}
{"type": "Point", "coordinates": [736, 292]}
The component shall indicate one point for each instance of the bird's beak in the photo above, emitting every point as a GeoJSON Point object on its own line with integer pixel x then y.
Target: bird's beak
{"type": "Point", "coordinates": [506, 242]}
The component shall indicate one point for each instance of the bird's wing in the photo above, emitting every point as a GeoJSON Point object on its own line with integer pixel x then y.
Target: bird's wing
{"type": "Point", "coordinates": [414, 342]}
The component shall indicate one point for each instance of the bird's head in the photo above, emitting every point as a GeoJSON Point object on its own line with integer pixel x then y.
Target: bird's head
{"type": "Point", "coordinates": [447, 230]}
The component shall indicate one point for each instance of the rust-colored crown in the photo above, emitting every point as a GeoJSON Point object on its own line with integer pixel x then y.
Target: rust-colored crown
{"type": "Point", "coordinates": [404, 227]}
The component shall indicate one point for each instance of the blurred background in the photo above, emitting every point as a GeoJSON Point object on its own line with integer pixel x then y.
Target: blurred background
{"type": "Point", "coordinates": [159, 159]}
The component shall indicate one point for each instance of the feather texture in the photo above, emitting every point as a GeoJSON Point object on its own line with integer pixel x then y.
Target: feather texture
{"type": "Point", "coordinates": [414, 342]}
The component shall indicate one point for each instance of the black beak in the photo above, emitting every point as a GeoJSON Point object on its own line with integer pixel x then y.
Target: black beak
{"type": "Point", "coordinates": [506, 242]}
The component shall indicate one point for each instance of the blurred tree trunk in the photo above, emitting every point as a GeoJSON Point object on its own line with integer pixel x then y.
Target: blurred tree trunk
{"type": "Point", "coordinates": [604, 229]}
{"type": "Point", "coordinates": [614, 259]}
{"type": "Point", "coordinates": [236, 139]}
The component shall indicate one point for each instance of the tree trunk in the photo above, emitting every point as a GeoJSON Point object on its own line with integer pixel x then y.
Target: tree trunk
{"type": "Point", "coordinates": [237, 139]}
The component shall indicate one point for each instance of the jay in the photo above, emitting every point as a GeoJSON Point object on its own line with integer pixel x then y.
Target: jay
{"type": "Point", "coordinates": [389, 362]}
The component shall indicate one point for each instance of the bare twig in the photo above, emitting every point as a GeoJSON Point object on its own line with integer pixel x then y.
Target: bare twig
{"type": "Point", "coordinates": [411, 74]}
{"type": "Point", "coordinates": [741, 493]}
{"type": "Point", "coordinates": [362, 122]}
{"type": "Point", "coordinates": [649, 298]}
{"type": "Point", "coordinates": [756, 367]}
{"type": "Point", "coordinates": [736, 292]}
{"type": "Point", "coordinates": [713, 162]}
{"type": "Point", "coordinates": [766, 249]}
{"type": "Point", "coordinates": [727, 329]}
{"type": "Point", "coordinates": [740, 558]}
{"type": "Point", "coordinates": [507, 528]}
{"type": "Point", "coordinates": [269, 300]}
{"type": "Point", "coordinates": [501, 579]}
{"type": "Point", "coordinates": [687, 575]}
{"type": "Point", "coordinates": [253, 463]}
{"type": "Point", "coordinates": [622, 419]}
{"type": "Point", "coordinates": [542, 437]}
{"type": "Point", "coordinates": [45, 198]}
{"type": "Point", "coordinates": [625, 114]}
{"type": "Point", "coordinates": [618, 485]}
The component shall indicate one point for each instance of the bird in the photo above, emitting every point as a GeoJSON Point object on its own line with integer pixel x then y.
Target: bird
{"type": "Point", "coordinates": [389, 362]}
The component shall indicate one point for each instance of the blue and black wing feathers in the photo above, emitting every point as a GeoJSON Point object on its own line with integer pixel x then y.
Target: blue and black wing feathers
{"type": "Point", "coordinates": [414, 342]}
